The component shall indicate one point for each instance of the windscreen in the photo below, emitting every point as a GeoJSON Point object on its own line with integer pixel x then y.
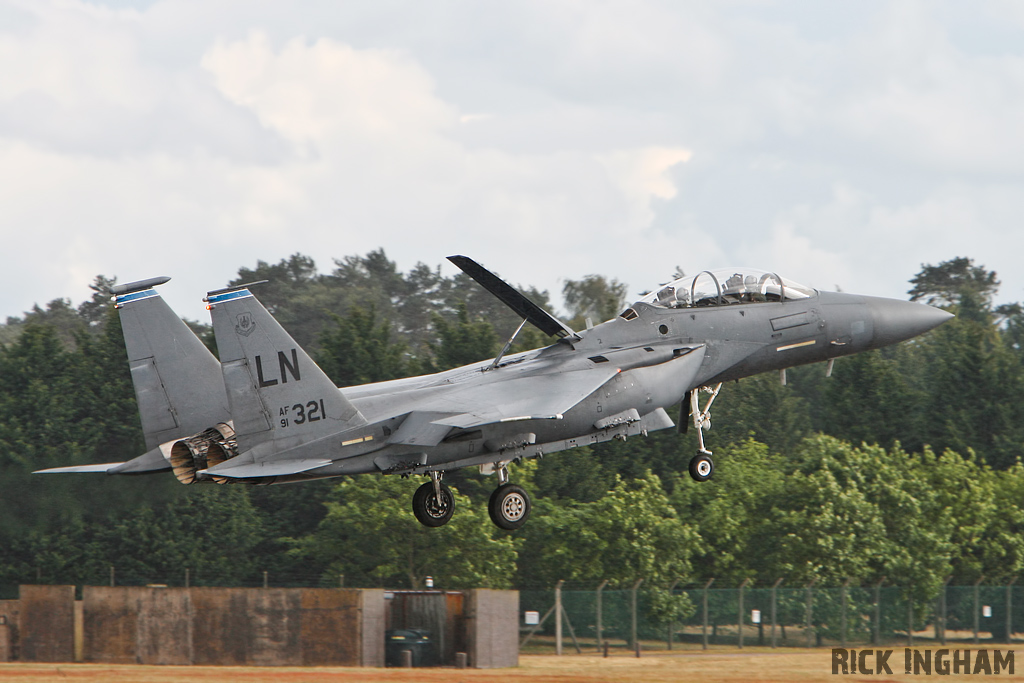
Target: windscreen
{"type": "Point", "coordinates": [727, 286]}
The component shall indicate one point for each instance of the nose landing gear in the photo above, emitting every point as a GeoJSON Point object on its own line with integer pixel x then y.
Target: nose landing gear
{"type": "Point", "coordinates": [701, 465]}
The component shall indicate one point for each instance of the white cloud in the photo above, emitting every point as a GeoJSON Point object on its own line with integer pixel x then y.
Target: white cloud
{"type": "Point", "coordinates": [548, 140]}
{"type": "Point", "coordinates": [642, 175]}
{"type": "Point", "coordinates": [325, 92]}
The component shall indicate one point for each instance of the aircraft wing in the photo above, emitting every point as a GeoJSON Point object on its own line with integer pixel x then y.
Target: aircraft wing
{"type": "Point", "coordinates": [545, 396]}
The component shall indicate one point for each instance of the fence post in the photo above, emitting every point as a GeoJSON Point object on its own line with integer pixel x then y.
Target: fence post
{"type": "Point", "coordinates": [942, 605]}
{"type": "Point", "coordinates": [600, 588]}
{"type": "Point", "coordinates": [672, 618]}
{"type": "Point", "coordinates": [632, 608]}
{"type": "Point", "coordinates": [910, 615]}
{"type": "Point", "coordinates": [558, 617]}
{"type": "Point", "coordinates": [704, 627]}
{"type": "Point", "coordinates": [739, 621]}
{"type": "Point", "coordinates": [878, 612]}
{"type": "Point", "coordinates": [1009, 610]}
{"type": "Point", "coordinates": [188, 579]}
{"type": "Point", "coordinates": [774, 587]}
{"type": "Point", "coordinates": [977, 607]}
{"type": "Point", "coordinates": [111, 576]}
{"type": "Point", "coordinates": [266, 580]}
{"type": "Point", "coordinates": [842, 617]}
{"type": "Point", "coordinates": [810, 611]}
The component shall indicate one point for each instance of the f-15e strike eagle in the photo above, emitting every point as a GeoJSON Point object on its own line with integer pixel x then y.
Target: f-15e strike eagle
{"type": "Point", "coordinates": [264, 413]}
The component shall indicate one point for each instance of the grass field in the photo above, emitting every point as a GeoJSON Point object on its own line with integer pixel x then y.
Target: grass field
{"type": "Point", "coordinates": [714, 666]}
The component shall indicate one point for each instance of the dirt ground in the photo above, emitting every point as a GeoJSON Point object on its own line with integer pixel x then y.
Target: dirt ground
{"type": "Point", "coordinates": [713, 666]}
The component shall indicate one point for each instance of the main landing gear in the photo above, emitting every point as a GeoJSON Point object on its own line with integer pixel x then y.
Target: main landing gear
{"type": "Point", "coordinates": [433, 503]}
{"type": "Point", "coordinates": [509, 506]}
{"type": "Point", "coordinates": [701, 465]}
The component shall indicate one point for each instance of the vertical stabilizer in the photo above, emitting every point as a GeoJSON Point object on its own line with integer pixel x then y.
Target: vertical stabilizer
{"type": "Point", "coordinates": [275, 390]}
{"type": "Point", "coordinates": [177, 380]}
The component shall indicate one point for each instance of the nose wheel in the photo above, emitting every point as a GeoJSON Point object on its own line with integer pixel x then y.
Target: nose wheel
{"type": "Point", "coordinates": [701, 467]}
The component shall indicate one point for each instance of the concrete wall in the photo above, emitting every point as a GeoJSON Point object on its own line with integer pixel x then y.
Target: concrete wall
{"type": "Point", "coordinates": [46, 623]}
{"type": "Point", "coordinates": [9, 614]}
{"type": "Point", "coordinates": [240, 626]}
{"type": "Point", "coordinates": [136, 625]}
{"type": "Point", "coordinates": [332, 628]}
{"type": "Point", "coordinates": [492, 628]}
{"type": "Point", "coordinates": [243, 626]}
{"type": "Point", "coordinates": [6, 653]}
{"type": "Point", "coordinates": [372, 627]}
{"type": "Point", "coordinates": [79, 631]}
{"type": "Point", "coordinates": [247, 626]}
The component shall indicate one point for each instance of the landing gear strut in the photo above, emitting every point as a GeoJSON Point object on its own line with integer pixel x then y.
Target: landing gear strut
{"type": "Point", "coordinates": [701, 465]}
{"type": "Point", "coordinates": [433, 503]}
{"type": "Point", "coordinates": [509, 506]}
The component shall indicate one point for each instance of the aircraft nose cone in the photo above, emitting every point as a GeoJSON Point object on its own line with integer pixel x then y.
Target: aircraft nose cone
{"type": "Point", "coordinates": [897, 321]}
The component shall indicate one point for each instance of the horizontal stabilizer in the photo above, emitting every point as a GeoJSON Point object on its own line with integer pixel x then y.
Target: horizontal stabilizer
{"type": "Point", "coordinates": [270, 468]}
{"type": "Point", "coordinates": [156, 460]}
{"type": "Point", "coordinates": [513, 298]}
{"type": "Point", "coordinates": [104, 467]}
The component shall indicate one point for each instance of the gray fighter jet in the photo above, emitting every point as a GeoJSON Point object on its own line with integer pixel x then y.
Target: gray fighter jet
{"type": "Point", "coordinates": [265, 413]}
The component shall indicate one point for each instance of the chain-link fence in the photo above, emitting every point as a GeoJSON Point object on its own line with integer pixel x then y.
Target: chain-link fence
{"type": "Point", "coordinates": [708, 615]}
{"type": "Point", "coordinates": [124, 576]}
{"type": "Point", "coordinates": [779, 616]}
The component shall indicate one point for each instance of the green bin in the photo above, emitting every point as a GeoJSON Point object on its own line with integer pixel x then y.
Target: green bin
{"type": "Point", "coordinates": [416, 640]}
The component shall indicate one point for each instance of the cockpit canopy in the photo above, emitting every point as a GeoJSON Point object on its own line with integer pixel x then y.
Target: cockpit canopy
{"type": "Point", "coordinates": [727, 286]}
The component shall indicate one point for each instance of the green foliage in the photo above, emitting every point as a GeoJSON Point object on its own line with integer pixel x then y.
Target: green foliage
{"type": "Point", "coordinates": [952, 281]}
{"type": "Point", "coordinates": [462, 342]}
{"type": "Point", "coordinates": [359, 350]}
{"type": "Point", "coordinates": [905, 464]}
{"type": "Point", "coordinates": [760, 407]}
{"type": "Point", "coordinates": [630, 533]}
{"type": "Point", "coordinates": [211, 533]}
{"type": "Point", "coordinates": [729, 511]}
{"type": "Point", "coordinates": [594, 297]}
{"type": "Point", "coordinates": [371, 537]}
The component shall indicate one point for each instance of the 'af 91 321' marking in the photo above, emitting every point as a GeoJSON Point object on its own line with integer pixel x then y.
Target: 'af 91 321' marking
{"type": "Point", "coordinates": [302, 413]}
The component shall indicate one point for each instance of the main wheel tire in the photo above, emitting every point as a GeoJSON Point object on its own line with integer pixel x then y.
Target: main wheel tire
{"type": "Point", "coordinates": [509, 506]}
{"type": "Point", "coordinates": [428, 509]}
{"type": "Point", "coordinates": [701, 467]}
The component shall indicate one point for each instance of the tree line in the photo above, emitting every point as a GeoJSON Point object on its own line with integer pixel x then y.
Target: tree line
{"type": "Point", "coordinates": [905, 464]}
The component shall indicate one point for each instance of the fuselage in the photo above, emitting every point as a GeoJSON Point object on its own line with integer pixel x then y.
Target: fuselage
{"type": "Point", "coordinates": [659, 354]}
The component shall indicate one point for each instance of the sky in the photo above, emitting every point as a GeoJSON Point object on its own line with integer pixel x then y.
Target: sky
{"type": "Point", "coordinates": [837, 144]}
